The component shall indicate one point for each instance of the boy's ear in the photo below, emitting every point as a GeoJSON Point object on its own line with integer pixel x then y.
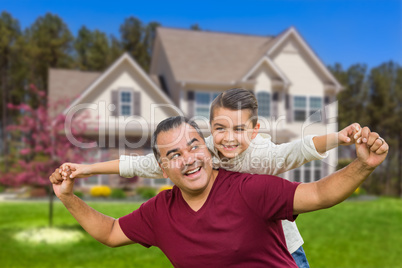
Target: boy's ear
{"type": "Point", "coordinates": [255, 130]}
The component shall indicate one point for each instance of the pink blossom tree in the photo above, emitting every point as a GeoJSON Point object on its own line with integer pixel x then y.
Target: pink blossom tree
{"type": "Point", "coordinates": [43, 145]}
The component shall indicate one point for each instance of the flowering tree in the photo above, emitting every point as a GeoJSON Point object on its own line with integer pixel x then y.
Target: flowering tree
{"type": "Point", "coordinates": [42, 145]}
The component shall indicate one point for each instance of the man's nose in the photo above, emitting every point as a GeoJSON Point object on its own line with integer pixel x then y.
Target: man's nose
{"type": "Point", "coordinates": [188, 158]}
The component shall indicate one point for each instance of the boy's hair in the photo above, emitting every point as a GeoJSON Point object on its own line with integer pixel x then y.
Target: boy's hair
{"type": "Point", "coordinates": [236, 99]}
{"type": "Point", "coordinates": [168, 124]}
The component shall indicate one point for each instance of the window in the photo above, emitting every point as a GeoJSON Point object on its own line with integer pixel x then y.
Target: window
{"type": "Point", "coordinates": [304, 107]}
{"type": "Point", "coordinates": [126, 103]}
{"type": "Point", "coordinates": [311, 171]}
{"type": "Point", "coordinates": [203, 101]}
{"type": "Point", "coordinates": [264, 104]}
{"type": "Point", "coordinates": [315, 104]}
{"type": "Point", "coordinates": [300, 108]}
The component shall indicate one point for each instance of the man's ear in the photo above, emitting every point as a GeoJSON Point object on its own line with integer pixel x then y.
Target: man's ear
{"type": "Point", "coordinates": [163, 171]}
{"type": "Point", "coordinates": [255, 130]}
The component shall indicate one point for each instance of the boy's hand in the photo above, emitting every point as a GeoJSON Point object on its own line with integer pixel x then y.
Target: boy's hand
{"type": "Point", "coordinates": [72, 171]}
{"type": "Point", "coordinates": [349, 134]}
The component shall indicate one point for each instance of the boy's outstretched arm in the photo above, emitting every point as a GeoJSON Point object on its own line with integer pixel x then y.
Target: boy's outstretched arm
{"type": "Point", "coordinates": [127, 166]}
{"type": "Point", "coordinates": [346, 136]}
{"type": "Point", "coordinates": [74, 170]}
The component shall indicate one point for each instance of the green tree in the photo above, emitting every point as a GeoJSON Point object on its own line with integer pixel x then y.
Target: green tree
{"type": "Point", "coordinates": [352, 97]}
{"type": "Point", "coordinates": [138, 39]}
{"type": "Point", "coordinates": [10, 73]}
{"type": "Point", "coordinates": [49, 46]}
{"type": "Point", "coordinates": [93, 50]}
{"type": "Point", "coordinates": [383, 110]}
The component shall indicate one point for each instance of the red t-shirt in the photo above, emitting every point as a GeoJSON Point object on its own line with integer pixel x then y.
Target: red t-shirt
{"type": "Point", "coordinates": [238, 226]}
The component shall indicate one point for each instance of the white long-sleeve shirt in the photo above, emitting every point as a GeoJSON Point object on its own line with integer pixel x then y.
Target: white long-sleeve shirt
{"type": "Point", "coordinates": [261, 157]}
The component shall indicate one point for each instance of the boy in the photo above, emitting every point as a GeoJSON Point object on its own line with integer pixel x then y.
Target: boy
{"type": "Point", "coordinates": [236, 146]}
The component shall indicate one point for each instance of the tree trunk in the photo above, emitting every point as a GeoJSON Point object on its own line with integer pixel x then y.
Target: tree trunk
{"type": "Point", "coordinates": [51, 197]}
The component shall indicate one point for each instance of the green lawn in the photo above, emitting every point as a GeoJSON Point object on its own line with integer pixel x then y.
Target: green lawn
{"type": "Point", "coordinates": [353, 234]}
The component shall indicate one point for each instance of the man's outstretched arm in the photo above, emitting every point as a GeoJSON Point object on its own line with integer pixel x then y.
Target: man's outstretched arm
{"type": "Point", "coordinates": [371, 151]}
{"type": "Point", "coordinates": [103, 228]}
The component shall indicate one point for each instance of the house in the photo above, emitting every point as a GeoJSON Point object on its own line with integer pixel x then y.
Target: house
{"type": "Point", "coordinates": [296, 92]}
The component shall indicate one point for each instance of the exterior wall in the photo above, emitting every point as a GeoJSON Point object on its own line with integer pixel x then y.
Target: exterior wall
{"type": "Point", "coordinates": [161, 67]}
{"type": "Point", "coordinates": [307, 81]}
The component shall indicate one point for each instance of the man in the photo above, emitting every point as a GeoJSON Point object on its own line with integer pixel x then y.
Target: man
{"type": "Point", "coordinates": [218, 218]}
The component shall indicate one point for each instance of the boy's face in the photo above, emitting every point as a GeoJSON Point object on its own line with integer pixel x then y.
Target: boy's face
{"type": "Point", "coordinates": [232, 131]}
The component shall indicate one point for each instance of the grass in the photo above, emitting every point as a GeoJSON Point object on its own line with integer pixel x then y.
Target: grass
{"type": "Point", "coordinates": [88, 253]}
{"type": "Point", "coordinates": [352, 234]}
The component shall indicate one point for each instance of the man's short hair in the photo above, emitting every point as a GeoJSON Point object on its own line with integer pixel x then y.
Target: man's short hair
{"type": "Point", "coordinates": [168, 124]}
{"type": "Point", "coordinates": [236, 99]}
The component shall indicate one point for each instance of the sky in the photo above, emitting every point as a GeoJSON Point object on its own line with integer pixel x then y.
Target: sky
{"type": "Point", "coordinates": [339, 31]}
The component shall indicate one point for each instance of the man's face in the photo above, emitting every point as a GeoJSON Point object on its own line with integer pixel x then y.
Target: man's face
{"type": "Point", "coordinates": [185, 159]}
{"type": "Point", "coordinates": [232, 131]}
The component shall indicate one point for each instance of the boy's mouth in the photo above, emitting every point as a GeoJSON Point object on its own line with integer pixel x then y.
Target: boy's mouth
{"type": "Point", "coordinates": [230, 147]}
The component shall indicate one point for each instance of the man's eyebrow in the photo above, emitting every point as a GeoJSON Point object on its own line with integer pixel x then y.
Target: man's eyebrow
{"type": "Point", "coordinates": [172, 151]}
{"type": "Point", "coordinates": [191, 142]}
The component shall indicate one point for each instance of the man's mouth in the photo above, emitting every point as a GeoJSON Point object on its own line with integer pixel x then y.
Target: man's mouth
{"type": "Point", "coordinates": [192, 172]}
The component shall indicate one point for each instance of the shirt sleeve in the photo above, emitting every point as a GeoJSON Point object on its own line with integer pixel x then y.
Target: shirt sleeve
{"type": "Point", "coordinates": [138, 225]}
{"type": "Point", "coordinates": [142, 166]}
{"type": "Point", "coordinates": [273, 159]}
{"type": "Point", "coordinates": [269, 197]}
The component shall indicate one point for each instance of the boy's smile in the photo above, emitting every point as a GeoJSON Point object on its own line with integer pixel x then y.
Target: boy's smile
{"type": "Point", "coordinates": [232, 131]}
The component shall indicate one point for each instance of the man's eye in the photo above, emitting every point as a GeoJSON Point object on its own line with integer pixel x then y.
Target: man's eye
{"type": "Point", "coordinates": [175, 156]}
{"type": "Point", "coordinates": [220, 129]}
{"type": "Point", "coordinates": [239, 129]}
{"type": "Point", "coordinates": [195, 147]}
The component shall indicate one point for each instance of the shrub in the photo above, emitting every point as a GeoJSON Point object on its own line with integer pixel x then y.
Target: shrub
{"type": "Point", "coordinates": [146, 192]}
{"type": "Point", "coordinates": [100, 191]}
{"type": "Point", "coordinates": [164, 187]}
{"type": "Point", "coordinates": [2, 188]}
{"type": "Point", "coordinates": [118, 193]}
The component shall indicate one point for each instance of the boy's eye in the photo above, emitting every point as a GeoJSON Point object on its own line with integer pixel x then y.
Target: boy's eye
{"type": "Point", "coordinates": [220, 129]}
{"type": "Point", "coordinates": [239, 129]}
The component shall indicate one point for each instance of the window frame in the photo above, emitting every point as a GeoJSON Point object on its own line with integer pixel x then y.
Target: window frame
{"type": "Point", "coordinates": [126, 103]}
{"type": "Point", "coordinates": [261, 107]}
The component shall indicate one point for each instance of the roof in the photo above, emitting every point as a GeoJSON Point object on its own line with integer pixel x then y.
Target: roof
{"type": "Point", "coordinates": [67, 85]}
{"type": "Point", "coordinates": [211, 57]}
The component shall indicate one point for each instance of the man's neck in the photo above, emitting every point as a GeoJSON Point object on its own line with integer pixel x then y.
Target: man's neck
{"type": "Point", "coordinates": [197, 200]}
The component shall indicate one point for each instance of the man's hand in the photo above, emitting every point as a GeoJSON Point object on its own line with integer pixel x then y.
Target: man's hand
{"type": "Point", "coordinates": [61, 187]}
{"type": "Point", "coordinates": [349, 134]}
{"type": "Point", "coordinates": [371, 149]}
{"type": "Point", "coordinates": [72, 170]}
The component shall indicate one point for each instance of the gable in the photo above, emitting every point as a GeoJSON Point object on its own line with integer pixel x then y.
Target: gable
{"type": "Point", "coordinates": [292, 53]}
{"type": "Point", "coordinates": [125, 75]}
